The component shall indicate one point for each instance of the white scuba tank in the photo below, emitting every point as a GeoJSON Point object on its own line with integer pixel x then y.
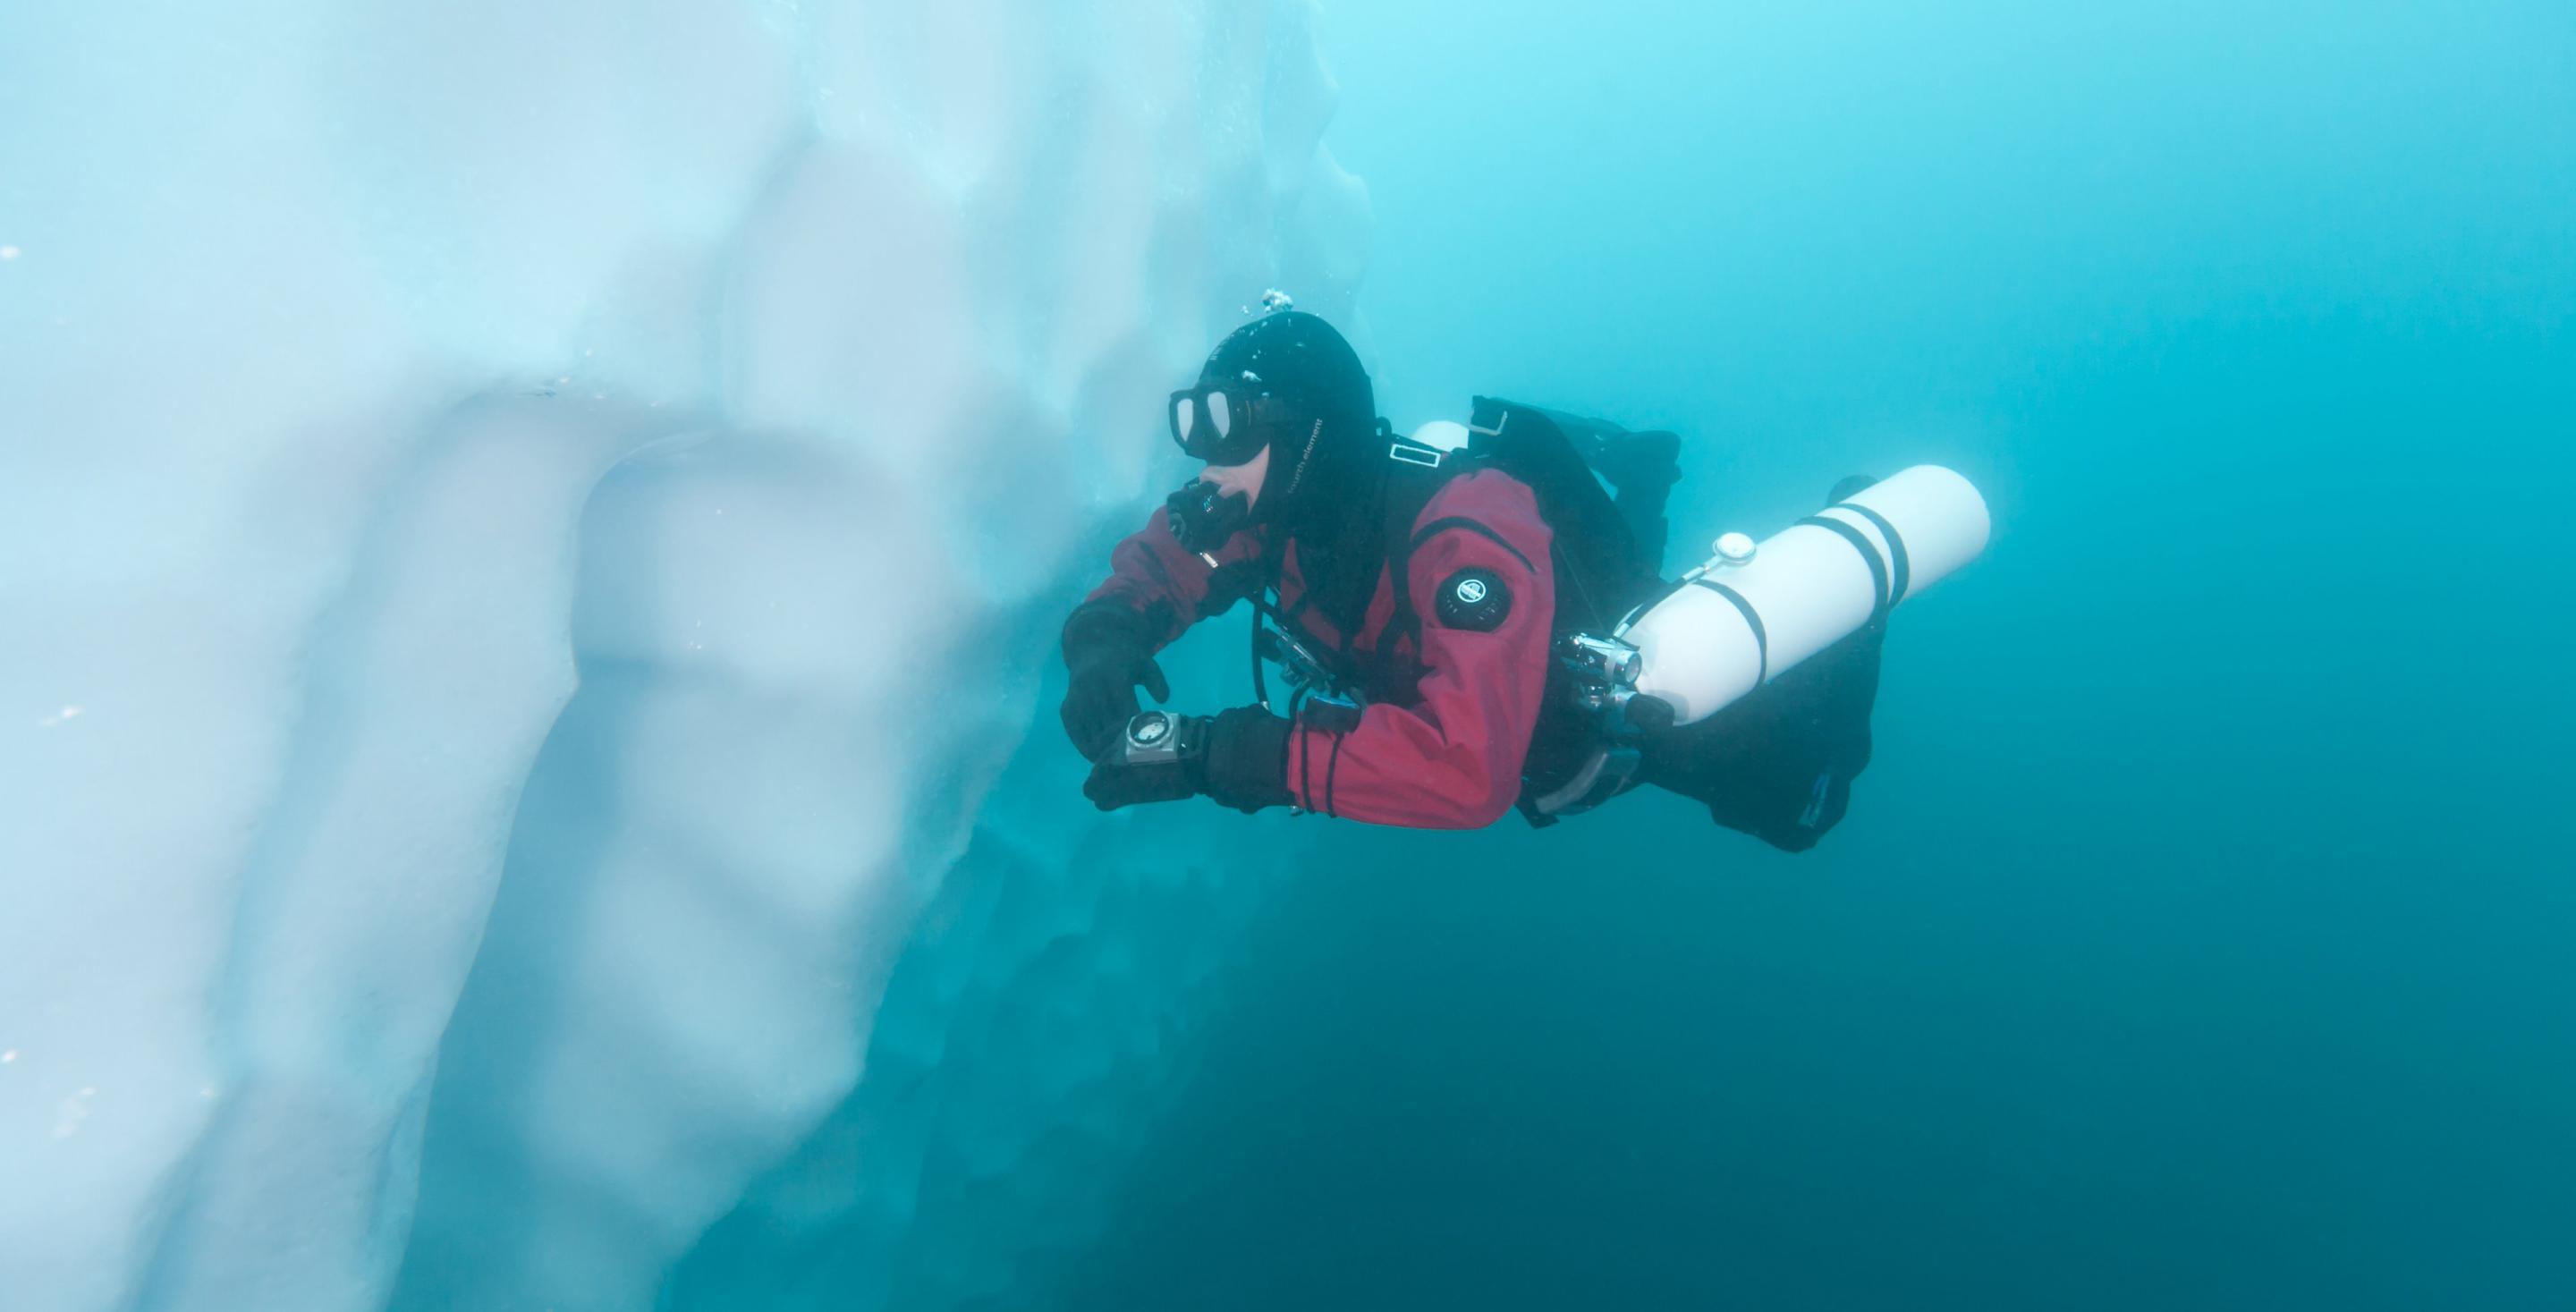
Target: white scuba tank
{"type": "Point", "coordinates": [1755, 610]}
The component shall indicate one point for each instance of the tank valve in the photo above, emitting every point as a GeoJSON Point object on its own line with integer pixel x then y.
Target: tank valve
{"type": "Point", "coordinates": [1734, 548]}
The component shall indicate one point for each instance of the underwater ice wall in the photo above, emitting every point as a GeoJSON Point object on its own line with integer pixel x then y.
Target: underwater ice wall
{"type": "Point", "coordinates": [578, 499]}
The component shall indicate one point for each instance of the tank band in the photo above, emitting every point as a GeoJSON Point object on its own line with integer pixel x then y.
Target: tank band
{"type": "Point", "coordinates": [1900, 569]}
{"type": "Point", "coordinates": [1877, 569]}
{"type": "Point", "coordinates": [1753, 621]}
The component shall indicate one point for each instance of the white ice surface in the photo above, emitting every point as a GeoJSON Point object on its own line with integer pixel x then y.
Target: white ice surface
{"type": "Point", "coordinates": [578, 496]}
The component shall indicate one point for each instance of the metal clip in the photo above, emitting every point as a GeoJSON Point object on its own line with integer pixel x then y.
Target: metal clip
{"type": "Point", "coordinates": [1604, 669]}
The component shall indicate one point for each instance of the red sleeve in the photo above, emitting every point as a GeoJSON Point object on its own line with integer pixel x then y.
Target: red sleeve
{"type": "Point", "coordinates": [1152, 574]}
{"type": "Point", "coordinates": [1453, 761]}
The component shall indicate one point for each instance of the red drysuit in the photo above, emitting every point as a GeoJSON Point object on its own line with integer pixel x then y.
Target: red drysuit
{"type": "Point", "coordinates": [1443, 753]}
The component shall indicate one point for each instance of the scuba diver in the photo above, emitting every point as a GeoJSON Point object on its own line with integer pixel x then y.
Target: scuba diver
{"type": "Point", "coordinates": [1424, 599]}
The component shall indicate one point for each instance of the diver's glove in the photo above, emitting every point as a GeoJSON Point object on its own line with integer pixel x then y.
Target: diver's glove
{"type": "Point", "coordinates": [1109, 653]}
{"type": "Point", "coordinates": [1238, 757]}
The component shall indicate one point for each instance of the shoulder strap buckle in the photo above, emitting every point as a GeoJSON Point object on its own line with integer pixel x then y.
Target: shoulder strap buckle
{"type": "Point", "coordinates": [1409, 452]}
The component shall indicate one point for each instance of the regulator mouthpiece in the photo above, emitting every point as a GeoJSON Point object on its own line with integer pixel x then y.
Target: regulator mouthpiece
{"type": "Point", "coordinates": [1202, 515]}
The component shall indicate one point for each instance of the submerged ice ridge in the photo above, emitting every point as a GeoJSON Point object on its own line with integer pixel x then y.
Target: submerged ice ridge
{"type": "Point", "coordinates": [578, 499]}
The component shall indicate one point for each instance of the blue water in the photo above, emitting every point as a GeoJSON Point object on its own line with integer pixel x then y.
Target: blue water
{"type": "Point", "coordinates": [2200, 936]}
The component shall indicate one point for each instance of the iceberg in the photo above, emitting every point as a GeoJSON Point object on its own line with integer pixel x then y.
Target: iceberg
{"type": "Point", "coordinates": [535, 538]}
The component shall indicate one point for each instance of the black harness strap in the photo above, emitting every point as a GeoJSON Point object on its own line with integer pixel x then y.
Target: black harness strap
{"type": "Point", "coordinates": [1879, 598]}
{"type": "Point", "coordinates": [1305, 753]}
{"type": "Point", "coordinates": [1260, 596]}
{"type": "Point", "coordinates": [1332, 773]}
{"type": "Point", "coordinates": [1409, 490]}
{"type": "Point", "coordinates": [1897, 564]}
{"type": "Point", "coordinates": [1753, 621]}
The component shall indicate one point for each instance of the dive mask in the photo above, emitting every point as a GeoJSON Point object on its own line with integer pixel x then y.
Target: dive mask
{"type": "Point", "coordinates": [1203, 515]}
{"type": "Point", "coordinates": [1226, 423]}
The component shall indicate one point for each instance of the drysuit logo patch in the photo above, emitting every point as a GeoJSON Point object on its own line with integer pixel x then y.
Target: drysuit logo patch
{"type": "Point", "coordinates": [1475, 600]}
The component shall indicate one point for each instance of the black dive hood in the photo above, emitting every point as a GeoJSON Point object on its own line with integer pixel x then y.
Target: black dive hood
{"type": "Point", "coordinates": [1323, 490]}
{"type": "Point", "coordinates": [1321, 441]}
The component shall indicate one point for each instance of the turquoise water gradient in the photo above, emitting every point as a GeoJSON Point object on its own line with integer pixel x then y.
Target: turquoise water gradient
{"type": "Point", "coordinates": [2201, 937]}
